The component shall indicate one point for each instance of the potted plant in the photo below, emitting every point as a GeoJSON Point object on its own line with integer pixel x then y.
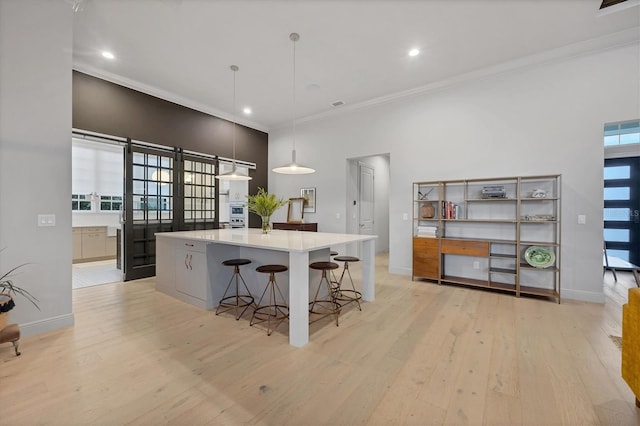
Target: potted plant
{"type": "Point", "coordinates": [264, 205]}
{"type": "Point", "coordinates": [7, 290]}
{"type": "Point", "coordinates": [11, 332]}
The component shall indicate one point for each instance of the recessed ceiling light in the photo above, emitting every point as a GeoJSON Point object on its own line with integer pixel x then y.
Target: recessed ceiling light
{"type": "Point", "coordinates": [247, 110]}
{"type": "Point", "coordinates": [107, 55]}
{"type": "Point", "coordinates": [414, 52]}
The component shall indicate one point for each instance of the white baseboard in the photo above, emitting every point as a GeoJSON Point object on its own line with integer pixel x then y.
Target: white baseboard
{"type": "Point", "coordinates": [584, 296]}
{"type": "Point", "coordinates": [401, 271]}
{"type": "Point", "coordinates": [46, 325]}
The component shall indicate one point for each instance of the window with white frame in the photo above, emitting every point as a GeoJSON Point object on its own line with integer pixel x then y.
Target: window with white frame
{"type": "Point", "coordinates": [96, 177]}
{"type": "Point", "coordinates": [110, 203]}
{"type": "Point", "coordinates": [81, 202]}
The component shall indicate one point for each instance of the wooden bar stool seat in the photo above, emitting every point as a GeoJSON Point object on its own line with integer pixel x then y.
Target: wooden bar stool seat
{"type": "Point", "coordinates": [11, 333]}
{"type": "Point", "coordinates": [347, 295]}
{"type": "Point", "coordinates": [329, 306]}
{"type": "Point", "coordinates": [274, 311]}
{"type": "Point", "coordinates": [235, 301]}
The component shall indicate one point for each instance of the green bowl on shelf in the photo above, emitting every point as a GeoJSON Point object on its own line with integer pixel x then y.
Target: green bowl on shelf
{"type": "Point", "coordinates": [539, 257]}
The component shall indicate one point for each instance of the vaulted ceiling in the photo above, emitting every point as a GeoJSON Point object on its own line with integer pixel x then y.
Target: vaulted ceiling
{"type": "Point", "coordinates": [355, 51]}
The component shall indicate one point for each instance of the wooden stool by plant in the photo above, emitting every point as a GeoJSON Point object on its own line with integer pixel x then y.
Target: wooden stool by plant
{"type": "Point", "coordinates": [11, 332]}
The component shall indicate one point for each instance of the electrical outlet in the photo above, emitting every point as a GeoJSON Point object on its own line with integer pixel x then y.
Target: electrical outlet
{"type": "Point", "coordinates": [476, 265]}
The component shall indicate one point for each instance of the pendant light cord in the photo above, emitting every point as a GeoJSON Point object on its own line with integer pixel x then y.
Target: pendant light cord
{"type": "Point", "coordinates": [233, 132]}
{"type": "Point", "coordinates": [294, 37]}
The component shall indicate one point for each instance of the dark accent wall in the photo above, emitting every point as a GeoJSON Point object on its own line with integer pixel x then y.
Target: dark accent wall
{"type": "Point", "coordinates": [105, 107]}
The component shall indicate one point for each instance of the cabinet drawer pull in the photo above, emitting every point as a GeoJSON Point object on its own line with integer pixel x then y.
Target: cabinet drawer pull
{"type": "Point", "coordinates": [188, 245]}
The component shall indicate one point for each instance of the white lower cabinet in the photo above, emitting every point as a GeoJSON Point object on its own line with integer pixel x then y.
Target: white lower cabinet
{"type": "Point", "coordinates": [191, 270]}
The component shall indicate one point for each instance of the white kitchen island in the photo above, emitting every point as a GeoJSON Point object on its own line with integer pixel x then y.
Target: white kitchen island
{"type": "Point", "coordinates": [189, 266]}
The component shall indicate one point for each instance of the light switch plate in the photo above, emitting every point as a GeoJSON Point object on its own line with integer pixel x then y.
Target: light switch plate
{"type": "Point", "coordinates": [46, 220]}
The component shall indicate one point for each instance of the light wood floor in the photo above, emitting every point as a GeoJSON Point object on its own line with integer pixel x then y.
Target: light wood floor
{"type": "Point", "coordinates": [420, 354]}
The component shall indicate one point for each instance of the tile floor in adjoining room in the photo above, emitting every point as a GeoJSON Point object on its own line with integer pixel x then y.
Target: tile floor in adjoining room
{"type": "Point", "coordinates": [95, 273]}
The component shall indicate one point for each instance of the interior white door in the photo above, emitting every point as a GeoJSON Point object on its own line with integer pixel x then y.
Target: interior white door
{"type": "Point", "coordinates": [365, 199]}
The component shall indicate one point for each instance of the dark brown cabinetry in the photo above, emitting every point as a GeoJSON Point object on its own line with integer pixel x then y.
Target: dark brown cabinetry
{"type": "Point", "coordinates": [312, 227]}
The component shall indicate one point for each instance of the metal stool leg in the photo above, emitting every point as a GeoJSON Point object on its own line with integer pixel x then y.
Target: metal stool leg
{"type": "Point", "coordinates": [236, 298]}
{"type": "Point", "coordinates": [335, 306]}
{"type": "Point", "coordinates": [340, 293]}
{"type": "Point", "coordinates": [273, 312]}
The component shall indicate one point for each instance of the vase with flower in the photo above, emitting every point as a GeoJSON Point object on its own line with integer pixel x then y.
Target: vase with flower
{"type": "Point", "coordinates": [264, 205]}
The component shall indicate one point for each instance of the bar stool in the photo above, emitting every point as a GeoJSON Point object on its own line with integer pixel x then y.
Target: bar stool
{"type": "Point", "coordinates": [334, 280]}
{"type": "Point", "coordinates": [347, 295]}
{"type": "Point", "coordinates": [327, 306]}
{"type": "Point", "coordinates": [237, 300]}
{"type": "Point", "coordinates": [273, 312]}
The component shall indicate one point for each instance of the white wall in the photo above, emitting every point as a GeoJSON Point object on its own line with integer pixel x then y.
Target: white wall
{"type": "Point", "coordinates": [543, 119]}
{"type": "Point", "coordinates": [380, 166]}
{"type": "Point", "coordinates": [35, 156]}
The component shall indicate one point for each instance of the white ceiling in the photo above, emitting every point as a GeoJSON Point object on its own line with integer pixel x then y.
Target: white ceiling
{"type": "Point", "coordinates": [354, 51]}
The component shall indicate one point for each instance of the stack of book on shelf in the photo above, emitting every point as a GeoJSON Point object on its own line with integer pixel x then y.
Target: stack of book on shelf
{"type": "Point", "coordinates": [450, 210]}
{"type": "Point", "coordinates": [427, 231]}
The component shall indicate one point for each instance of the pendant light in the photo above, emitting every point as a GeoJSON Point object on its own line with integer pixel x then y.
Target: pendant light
{"type": "Point", "coordinates": [294, 168]}
{"type": "Point", "coordinates": [233, 174]}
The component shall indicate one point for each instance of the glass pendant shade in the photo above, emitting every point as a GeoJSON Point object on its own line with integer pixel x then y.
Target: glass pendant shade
{"type": "Point", "coordinates": [234, 174]}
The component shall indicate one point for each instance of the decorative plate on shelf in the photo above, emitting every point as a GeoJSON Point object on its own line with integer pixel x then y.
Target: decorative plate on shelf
{"type": "Point", "coordinates": [539, 257]}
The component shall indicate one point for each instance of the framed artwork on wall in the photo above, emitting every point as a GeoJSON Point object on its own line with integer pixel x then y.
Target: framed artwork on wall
{"type": "Point", "coordinates": [309, 195]}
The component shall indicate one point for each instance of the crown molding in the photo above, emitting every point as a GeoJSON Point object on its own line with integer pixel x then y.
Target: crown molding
{"type": "Point", "coordinates": [163, 94]}
{"type": "Point", "coordinates": [610, 41]}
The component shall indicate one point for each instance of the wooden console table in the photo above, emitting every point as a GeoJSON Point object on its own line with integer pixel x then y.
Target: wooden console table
{"type": "Point", "coordinates": [312, 227]}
